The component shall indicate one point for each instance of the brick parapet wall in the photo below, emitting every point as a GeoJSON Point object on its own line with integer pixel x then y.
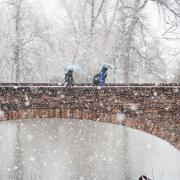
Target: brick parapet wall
{"type": "Point", "coordinates": [152, 109]}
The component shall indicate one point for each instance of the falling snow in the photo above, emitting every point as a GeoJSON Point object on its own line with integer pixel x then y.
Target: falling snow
{"type": "Point", "coordinates": [89, 89]}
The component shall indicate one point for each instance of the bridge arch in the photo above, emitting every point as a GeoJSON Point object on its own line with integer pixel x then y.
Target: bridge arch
{"type": "Point", "coordinates": [149, 108]}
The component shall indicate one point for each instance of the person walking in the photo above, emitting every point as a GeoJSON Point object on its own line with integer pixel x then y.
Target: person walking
{"type": "Point", "coordinates": [69, 81]}
{"type": "Point", "coordinates": [100, 78]}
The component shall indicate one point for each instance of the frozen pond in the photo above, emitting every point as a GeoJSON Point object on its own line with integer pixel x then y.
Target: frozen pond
{"type": "Point", "coordinates": [53, 149]}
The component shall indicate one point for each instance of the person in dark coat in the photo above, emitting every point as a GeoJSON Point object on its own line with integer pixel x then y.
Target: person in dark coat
{"type": "Point", "coordinates": [144, 178]}
{"type": "Point", "coordinates": [69, 78]}
{"type": "Point", "coordinates": [100, 78]}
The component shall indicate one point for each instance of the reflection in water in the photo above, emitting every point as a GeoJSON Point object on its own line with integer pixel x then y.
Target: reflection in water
{"type": "Point", "coordinates": [53, 149]}
{"type": "Point", "coordinates": [125, 148]}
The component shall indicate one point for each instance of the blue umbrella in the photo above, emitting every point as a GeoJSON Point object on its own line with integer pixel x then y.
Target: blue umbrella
{"type": "Point", "coordinates": [74, 68]}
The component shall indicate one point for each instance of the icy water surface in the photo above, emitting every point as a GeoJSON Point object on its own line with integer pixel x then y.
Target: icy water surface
{"type": "Point", "coordinates": [59, 149]}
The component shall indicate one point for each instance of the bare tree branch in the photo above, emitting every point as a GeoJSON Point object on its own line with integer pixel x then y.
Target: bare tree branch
{"type": "Point", "coordinates": [99, 10]}
{"type": "Point", "coordinates": [165, 4]}
{"type": "Point", "coordinates": [143, 5]}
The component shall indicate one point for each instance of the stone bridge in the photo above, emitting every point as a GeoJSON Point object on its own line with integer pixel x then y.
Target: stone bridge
{"type": "Point", "coordinates": [154, 109]}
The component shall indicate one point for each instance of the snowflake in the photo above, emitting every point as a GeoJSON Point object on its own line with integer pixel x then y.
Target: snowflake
{"type": "Point", "coordinates": [62, 96]}
{"type": "Point", "coordinates": [155, 94]}
{"type": "Point", "coordinates": [27, 103]}
{"type": "Point", "coordinates": [30, 137]}
{"type": "Point", "coordinates": [133, 107]}
{"type": "Point", "coordinates": [1, 113]}
{"type": "Point", "coordinates": [148, 146]}
{"type": "Point", "coordinates": [32, 159]}
{"type": "Point", "coordinates": [26, 97]}
{"type": "Point", "coordinates": [120, 117]}
{"type": "Point", "coordinates": [176, 90]}
{"type": "Point", "coordinates": [8, 169]}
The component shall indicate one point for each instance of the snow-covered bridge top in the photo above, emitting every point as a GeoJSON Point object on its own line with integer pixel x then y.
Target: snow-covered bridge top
{"type": "Point", "coordinates": [152, 108]}
{"type": "Point", "coordinates": [89, 85]}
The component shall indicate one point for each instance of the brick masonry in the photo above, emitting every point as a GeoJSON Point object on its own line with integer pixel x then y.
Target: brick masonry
{"type": "Point", "coordinates": [152, 109]}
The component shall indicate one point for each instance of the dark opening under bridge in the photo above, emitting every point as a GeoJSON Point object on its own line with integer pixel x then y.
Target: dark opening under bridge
{"type": "Point", "coordinates": [147, 107]}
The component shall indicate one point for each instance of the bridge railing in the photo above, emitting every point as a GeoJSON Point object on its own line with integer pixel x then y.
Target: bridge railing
{"type": "Point", "coordinates": [89, 84]}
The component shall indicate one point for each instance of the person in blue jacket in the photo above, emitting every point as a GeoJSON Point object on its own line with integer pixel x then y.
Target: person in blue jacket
{"type": "Point", "coordinates": [100, 78]}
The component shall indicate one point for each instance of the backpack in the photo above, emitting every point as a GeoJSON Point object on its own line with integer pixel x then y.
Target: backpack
{"type": "Point", "coordinates": [96, 79]}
